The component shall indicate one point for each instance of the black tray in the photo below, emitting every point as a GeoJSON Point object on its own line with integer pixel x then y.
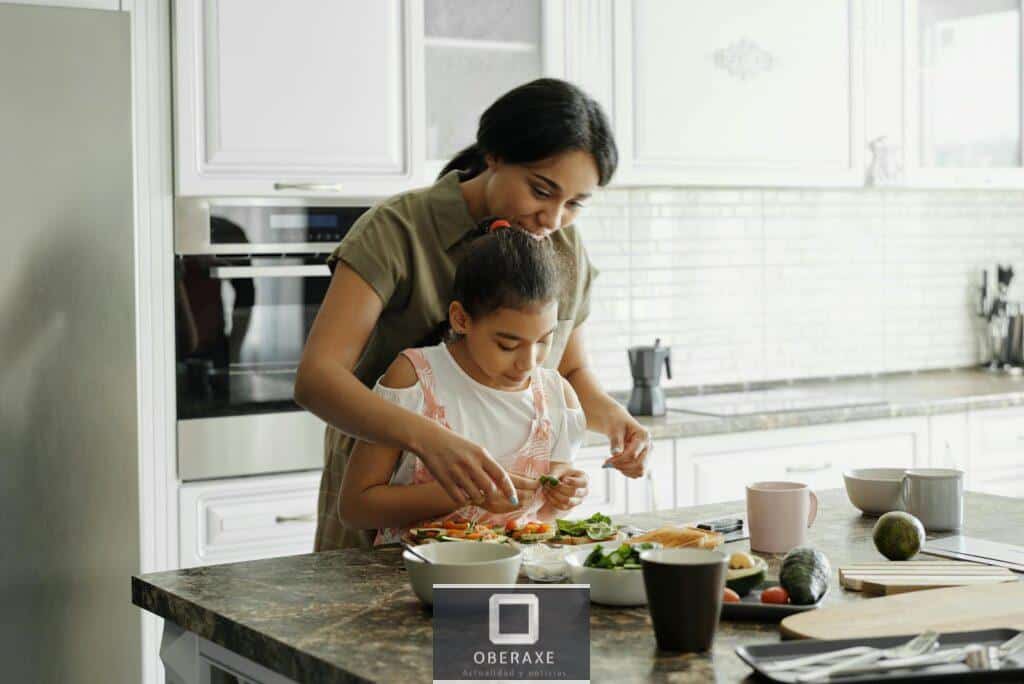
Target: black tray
{"type": "Point", "coordinates": [1012, 671]}
{"type": "Point", "coordinates": [751, 608]}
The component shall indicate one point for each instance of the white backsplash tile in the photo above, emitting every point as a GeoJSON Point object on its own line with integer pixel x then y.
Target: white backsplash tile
{"type": "Point", "coordinates": [752, 285]}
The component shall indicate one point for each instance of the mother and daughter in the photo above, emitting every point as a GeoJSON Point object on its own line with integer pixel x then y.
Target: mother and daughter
{"type": "Point", "coordinates": [464, 428]}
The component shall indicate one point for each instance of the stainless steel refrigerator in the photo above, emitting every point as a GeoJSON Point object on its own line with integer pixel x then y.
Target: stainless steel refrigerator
{"type": "Point", "coordinates": [69, 508]}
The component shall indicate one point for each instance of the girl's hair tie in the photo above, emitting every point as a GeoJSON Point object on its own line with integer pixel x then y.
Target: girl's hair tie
{"type": "Point", "coordinates": [498, 224]}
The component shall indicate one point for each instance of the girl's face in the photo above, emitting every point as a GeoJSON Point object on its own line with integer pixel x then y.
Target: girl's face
{"type": "Point", "coordinates": [503, 347]}
{"type": "Point", "coordinates": [542, 196]}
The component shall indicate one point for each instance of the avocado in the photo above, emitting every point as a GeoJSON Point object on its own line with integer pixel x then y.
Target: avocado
{"type": "Point", "coordinates": [743, 580]}
{"type": "Point", "coordinates": [804, 575]}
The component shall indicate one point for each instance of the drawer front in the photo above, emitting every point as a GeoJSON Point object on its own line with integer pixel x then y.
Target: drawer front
{"type": "Point", "coordinates": [723, 475]}
{"type": "Point", "coordinates": [249, 519]}
{"type": "Point", "coordinates": [998, 440]}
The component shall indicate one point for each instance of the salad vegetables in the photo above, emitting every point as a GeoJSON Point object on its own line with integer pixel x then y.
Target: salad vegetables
{"type": "Point", "coordinates": [626, 557]}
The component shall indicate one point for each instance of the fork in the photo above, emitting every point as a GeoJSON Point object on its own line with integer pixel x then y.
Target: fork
{"type": "Point", "coordinates": [805, 661]}
{"type": "Point", "coordinates": [917, 646]}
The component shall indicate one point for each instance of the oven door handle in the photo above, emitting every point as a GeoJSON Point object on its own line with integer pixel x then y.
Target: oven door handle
{"type": "Point", "coordinates": [306, 271]}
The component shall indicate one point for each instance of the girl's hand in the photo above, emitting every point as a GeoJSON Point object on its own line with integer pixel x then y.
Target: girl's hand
{"type": "Point", "coordinates": [630, 443]}
{"type": "Point", "coordinates": [526, 491]}
{"type": "Point", "coordinates": [464, 469]}
{"type": "Point", "coordinates": [573, 487]}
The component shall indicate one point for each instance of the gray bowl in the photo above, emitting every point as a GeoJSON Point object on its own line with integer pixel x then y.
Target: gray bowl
{"type": "Point", "coordinates": [875, 491]}
{"type": "Point", "coordinates": [461, 562]}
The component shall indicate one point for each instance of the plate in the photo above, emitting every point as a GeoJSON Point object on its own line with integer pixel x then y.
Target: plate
{"type": "Point", "coordinates": [757, 656]}
{"type": "Point", "coordinates": [751, 608]}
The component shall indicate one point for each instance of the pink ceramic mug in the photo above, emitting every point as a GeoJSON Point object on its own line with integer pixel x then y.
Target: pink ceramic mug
{"type": "Point", "coordinates": [778, 515]}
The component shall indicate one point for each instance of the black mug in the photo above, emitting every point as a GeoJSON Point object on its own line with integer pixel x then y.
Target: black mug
{"type": "Point", "coordinates": [684, 595]}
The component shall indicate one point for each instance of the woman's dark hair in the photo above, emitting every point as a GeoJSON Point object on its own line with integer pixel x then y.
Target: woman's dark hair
{"type": "Point", "coordinates": [507, 268]}
{"type": "Point", "coordinates": [538, 120]}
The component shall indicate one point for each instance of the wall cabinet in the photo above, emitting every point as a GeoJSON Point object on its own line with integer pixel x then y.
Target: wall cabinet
{"type": "Point", "coordinates": [739, 94]}
{"type": "Point", "coordinates": [285, 98]}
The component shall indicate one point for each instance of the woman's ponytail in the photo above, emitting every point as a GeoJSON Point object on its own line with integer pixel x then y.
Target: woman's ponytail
{"type": "Point", "coordinates": [469, 161]}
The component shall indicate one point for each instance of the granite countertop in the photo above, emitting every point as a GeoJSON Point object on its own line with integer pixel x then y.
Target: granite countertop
{"type": "Point", "coordinates": [343, 616]}
{"type": "Point", "coordinates": [905, 394]}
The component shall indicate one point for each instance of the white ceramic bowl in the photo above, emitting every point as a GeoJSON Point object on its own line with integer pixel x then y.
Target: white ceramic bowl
{"type": "Point", "coordinates": [608, 587]}
{"type": "Point", "coordinates": [461, 563]}
{"type": "Point", "coordinates": [875, 491]}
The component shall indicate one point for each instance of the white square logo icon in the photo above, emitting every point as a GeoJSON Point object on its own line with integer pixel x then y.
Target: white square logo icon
{"type": "Point", "coordinates": [532, 633]}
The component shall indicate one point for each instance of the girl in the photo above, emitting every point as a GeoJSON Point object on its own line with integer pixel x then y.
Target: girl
{"type": "Point", "coordinates": [541, 150]}
{"type": "Point", "coordinates": [484, 382]}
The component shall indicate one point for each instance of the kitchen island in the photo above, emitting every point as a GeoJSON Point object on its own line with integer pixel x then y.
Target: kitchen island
{"type": "Point", "coordinates": [350, 616]}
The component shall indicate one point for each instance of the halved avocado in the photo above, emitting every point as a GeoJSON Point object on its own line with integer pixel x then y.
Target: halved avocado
{"type": "Point", "coordinates": [743, 580]}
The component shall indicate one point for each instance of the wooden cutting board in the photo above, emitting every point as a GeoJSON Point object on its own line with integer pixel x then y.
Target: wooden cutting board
{"type": "Point", "coordinates": [957, 609]}
{"type": "Point", "coordinates": [887, 578]}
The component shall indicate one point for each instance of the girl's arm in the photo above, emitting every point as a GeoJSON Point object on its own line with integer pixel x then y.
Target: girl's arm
{"type": "Point", "coordinates": [630, 441]}
{"type": "Point", "coordinates": [326, 386]}
{"type": "Point", "coordinates": [367, 500]}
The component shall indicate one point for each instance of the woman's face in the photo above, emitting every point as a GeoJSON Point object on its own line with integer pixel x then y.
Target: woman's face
{"type": "Point", "coordinates": [505, 345]}
{"type": "Point", "coordinates": [542, 196]}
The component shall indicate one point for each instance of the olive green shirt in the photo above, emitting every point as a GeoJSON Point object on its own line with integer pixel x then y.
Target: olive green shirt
{"type": "Point", "coordinates": [407, 248]}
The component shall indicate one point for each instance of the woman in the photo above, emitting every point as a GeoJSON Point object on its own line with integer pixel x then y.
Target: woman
{"type": "Point", "coordinates": [541, 150]}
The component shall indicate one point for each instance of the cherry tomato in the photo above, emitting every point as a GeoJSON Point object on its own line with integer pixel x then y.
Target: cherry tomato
{"type": "Point", "coordinates": [774, 595]}
{"type": "Point", "coordinates": [730, 596]}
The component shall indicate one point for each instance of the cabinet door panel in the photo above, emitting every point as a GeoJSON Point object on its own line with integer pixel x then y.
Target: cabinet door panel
{"type": "Point", "coordinates": [733, 91]}
{"type": "Point", "coordinates": [271, 93]}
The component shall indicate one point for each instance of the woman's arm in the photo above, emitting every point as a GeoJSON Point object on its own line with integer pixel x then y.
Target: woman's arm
{"type": "Point", "coordinates": [630, 441]}
{"type": "Point", "coordinates": [326, 386]}
{"type": "Point", "coordinates": [367, 499]}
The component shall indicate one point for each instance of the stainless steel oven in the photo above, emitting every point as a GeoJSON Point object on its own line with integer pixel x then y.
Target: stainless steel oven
{"type": "Point", "coordinates": [249, 279]}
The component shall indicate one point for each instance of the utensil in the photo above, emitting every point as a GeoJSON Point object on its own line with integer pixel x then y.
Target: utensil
{"type": "Point", "coordinates": [977, 657]}
{"type": "Point", "coordinates": [919, 645]}
{"type": "Point", "coordinates": [648, 397]}
{"type": "Point", "coordinates": [416, 553]}
{"type": "Point", "coordinates": [978, 607]}
{"type": "Point", "coordinates": [935, 496]}
{"type": "Point", "coordinates": [779, 514]}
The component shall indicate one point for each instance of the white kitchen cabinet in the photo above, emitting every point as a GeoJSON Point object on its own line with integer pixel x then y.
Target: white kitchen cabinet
{"type": "Point", "coordinates": [949, 441]}
{"type": "Point", "coordinates": [963, 76]}
{"type": "Point", "coordinates": [474, 53]}
{"type": "Point", "coordinates": [242, 519]}
{"type": "Point", "coordinates": [607, 485]}
{"type": "Point", "coordinates": [738, 93]}
{"type": "Point", "coordinates": [718, 468]}
{"type": "Point", "coordinates": [277, 98]}
{"type": "Point", "coordinates": [996, 452]}
{"type": "Point", "coordinates": [656, 490]}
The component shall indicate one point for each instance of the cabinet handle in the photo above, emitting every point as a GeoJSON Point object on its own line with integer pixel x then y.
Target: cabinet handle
{"type": "Point", "coordinates": [282, 519]}
{"type": "Point", "coordinates": [808, 468]}
{"type": "Point", "coordinates": [310, 187]}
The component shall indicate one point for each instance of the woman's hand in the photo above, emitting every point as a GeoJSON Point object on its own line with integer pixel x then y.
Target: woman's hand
{"type": "Point", "coordinates": [526, 491]}
{"type": "Point", "coordinates": [573, 487]}
{"type": "Point", "coordinates": [630, 442]}
{"type": "Point", "coordinates": [464, 469]}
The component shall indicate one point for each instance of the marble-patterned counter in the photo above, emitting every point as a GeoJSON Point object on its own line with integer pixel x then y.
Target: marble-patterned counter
{"type": "Point", "coordinates": [350, 615]}
{"type": "Point", "coordinates": [902, 394]}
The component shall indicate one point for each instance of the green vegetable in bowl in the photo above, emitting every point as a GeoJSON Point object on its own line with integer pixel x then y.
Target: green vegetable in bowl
{"type": "Point", "coordinates": [626, 557]}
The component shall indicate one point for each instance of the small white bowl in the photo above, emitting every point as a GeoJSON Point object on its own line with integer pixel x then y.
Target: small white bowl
{"type": "Point", "coordinates": [608, 587]}
{"type": "Point", "coordinates": [875, 491]}
{"type": "Point", "coordinates": [543, 563]}
{"type": "Point", "coordinates": [461, 563]}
